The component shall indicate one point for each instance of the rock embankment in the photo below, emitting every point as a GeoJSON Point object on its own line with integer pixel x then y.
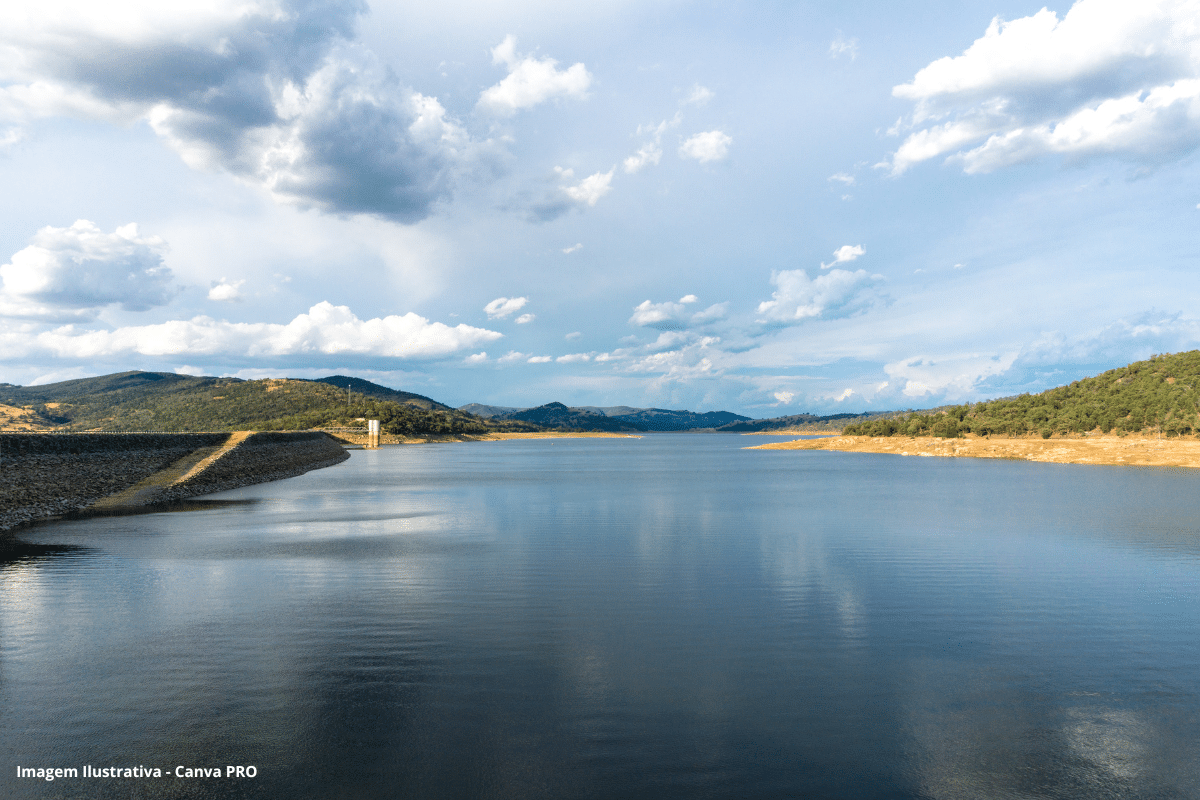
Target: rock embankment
{"type": "Point", "coordinates": [47, 475]}
{"type": "Point", "coordinates": [262, 457]}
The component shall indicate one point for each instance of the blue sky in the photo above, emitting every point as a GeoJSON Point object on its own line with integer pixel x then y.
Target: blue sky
{"type": "Point", "coordinates": [771, 209]}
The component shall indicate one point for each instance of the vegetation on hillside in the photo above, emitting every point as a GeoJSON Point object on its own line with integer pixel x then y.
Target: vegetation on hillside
{"type": "Point", "coordinates": [165, 402]}
{"type": "Point", "coordinates": [1160, 395]}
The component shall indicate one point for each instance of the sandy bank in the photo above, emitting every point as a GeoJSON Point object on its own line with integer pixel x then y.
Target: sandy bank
{"type": "Point", "coordinates": [1141, 451]}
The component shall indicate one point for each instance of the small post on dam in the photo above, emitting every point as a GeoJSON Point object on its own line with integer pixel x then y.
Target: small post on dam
{"type": "Point", "coordinates": [372, 433]}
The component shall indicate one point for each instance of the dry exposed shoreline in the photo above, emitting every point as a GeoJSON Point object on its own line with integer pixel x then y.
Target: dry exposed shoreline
{"type": "Point", "coordinates": [1140, 451]}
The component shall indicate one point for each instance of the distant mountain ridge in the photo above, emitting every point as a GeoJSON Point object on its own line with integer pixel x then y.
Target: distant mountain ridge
{"type": "Point", "coordinates": [611, 418]}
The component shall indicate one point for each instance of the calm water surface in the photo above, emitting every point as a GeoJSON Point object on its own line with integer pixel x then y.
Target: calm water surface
{"type": "Point", "coordinates": [665, 617]}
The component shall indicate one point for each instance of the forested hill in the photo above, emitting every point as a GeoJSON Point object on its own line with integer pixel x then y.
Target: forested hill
{"type": "Point", "coordinates": [159, 401]}
{"type": "Point", "coordinates": [1160, 395]}
{"type": "Point", "coordinates": [367, 389]}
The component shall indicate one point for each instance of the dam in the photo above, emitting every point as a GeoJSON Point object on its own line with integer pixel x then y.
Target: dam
{"type": "Point", "coordinates": [49, 475]}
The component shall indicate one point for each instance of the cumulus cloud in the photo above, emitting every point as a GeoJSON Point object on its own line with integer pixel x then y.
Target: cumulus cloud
{"type": "Point", "coordinates": [663, 316]}
{"type": "Point", "coordinates": [839, 293]}
{"type": "Point", "coordinates": [784, 398]}
{"type": "Point", "coordinates": [573, 335]}
{"type": "Point", "coordinates": [668, 316]}
{"type": "Point", "coordinates": [844, 178]}
{"type": "Point", "coordinates": [476, 358]}
{"type": "Point", "coordinates": [568, 194]}
{"type": "Point", "coordinates": [503, 307]}
{"type": "Point", "coordinates": [539, 359]}
{"type": "Point", "coordinates": [274, 93]}
{"type": "Point", "coordinates": [648, 154]}
{"type": "Point", "coordinates": [324, 330]}
{"type": "Point", "coordinates": [845, 254]}
{"type": "Point", "coordinates": [76, 271]}
{"type": "Point", "coordinates": [574, 358]}
{"type": "Point", "coordinates": [226, 290]}
{"type": "Point", "coordinates": [525, 319]}
{"type": "Point", "coordinates": [573, 248]}
{"type": "Point", "coordinates": [530, 81]}
{"type": "Point", "coordinates": [1109, 78]}
{"type": "Point", "coordinates": [589, 190]}
{"type": "Point", "coordinates": [706, 147]}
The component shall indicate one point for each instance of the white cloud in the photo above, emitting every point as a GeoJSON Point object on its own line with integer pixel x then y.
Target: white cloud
{"type": "Point", "coordinates": [699, 96]}
{"type": "Point", "coordinates": [784, 398]}
{"type": "Point", "coordinates": [711, 314]}
{"type": "Point", "coordinates": [226, 290]}
{"type": "Point", "coordinates": [845, 254]}
{"type": "Point", "coordinates": [1109, 78]}
{"type": "Point", "coordinates": [476, 358]}
{"type": "Point", "coordinates": [839, 293]}
{"type": "Point", "coordinates": [511, 356]}
{"type": "Point", "coordinates": [539, 359]}
{"type": "Point", "coordinates": [574, 358]}
{"type": "Point", "coordinates": [842, 177]}
{"type": "Point", "coordinates": [74, 272]}
{"type": "Point", "coordinates": [952, 376]}
{"type": "Point", "coordinates": [647, 154]}
{"type": "Point", "coordinates": [663, 316]}
{"type": "Point", "coordinates": [573, 335]}
{"type": "Point", "coordinates": [325, 330]}
{"type": "Point", "coordinates": [530, 81]}
{"type": "Point", "coordinates": [503, 307]}
{"type": "Point", "coordinates": [525, 319]}
{"type": "Point", "coordinates": [273, 93]}
{"type": "Point", "coordinates": [706, 147]}
{"type": "Point", "coordinates": [650, 153]}
{"type": "Point", "coordinates": [590, 189]}
{"type": "Point", "coordinates": [668, 316]}
{"type": "Point", "coordinates": [573, 248]}
{"type": "Point", "coordinates": [845, 395]}
{"type": "Point", "coordinates": [842, 46]}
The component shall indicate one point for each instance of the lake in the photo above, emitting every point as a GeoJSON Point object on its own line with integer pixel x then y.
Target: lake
{"type": "Point", "coordinates": [664, 617]}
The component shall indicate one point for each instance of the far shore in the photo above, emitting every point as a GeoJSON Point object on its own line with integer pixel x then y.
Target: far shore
{"type": "Point", "coordinates": [390, 438]}
{"type": "Point", "coordinates": [1131, 450]}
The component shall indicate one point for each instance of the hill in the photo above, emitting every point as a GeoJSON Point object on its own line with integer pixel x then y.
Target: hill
{"type": "Point", "coordinates": [559, 417]}
{"type": "Point", "coordinates": [661, 419]}
{"type": "Point", "coordinates": [368, 389]}
{"type": "Point", "coordinates": [155, 401]}
{"type": "Point", "coordinates": [804, 422]}
{"type": "Point", "coordinates": [641, 419]}
{"type": "Point", "coordinates": [1159, 395]}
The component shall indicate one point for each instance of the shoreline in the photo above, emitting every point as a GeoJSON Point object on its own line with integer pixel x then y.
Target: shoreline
{"type": "Point", "coordinates": [1132, 450]}
{"type": "Point", "coordinates": [355, 439]}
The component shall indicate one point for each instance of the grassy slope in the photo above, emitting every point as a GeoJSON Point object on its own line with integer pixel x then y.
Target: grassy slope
{"type": "Point", "coordinates": [161, 401]}
{"type": "Point", "coordinates": [1157, 395]}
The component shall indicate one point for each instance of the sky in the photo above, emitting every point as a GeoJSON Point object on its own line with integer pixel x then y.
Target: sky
{"type": "Point", "coordinates": [770, 208]}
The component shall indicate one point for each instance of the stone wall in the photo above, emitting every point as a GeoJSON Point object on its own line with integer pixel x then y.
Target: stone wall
{"type": "Point", "coordinates": [47, 475]}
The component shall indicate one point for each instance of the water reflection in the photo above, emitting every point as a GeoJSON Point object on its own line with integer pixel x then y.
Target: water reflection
{"type": "Point", "coordinates": [665, 617]}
